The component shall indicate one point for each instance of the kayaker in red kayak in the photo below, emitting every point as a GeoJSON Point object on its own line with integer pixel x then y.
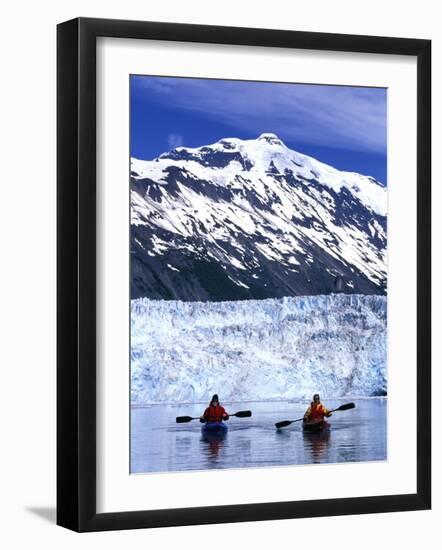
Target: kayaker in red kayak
{"type": "Point", "coordinates": [214, 412]}
{"type": "Point", "coordinates": [316, 412]}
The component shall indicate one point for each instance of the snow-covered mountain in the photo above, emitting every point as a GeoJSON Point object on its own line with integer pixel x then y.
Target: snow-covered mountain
{"type": "Point", "coordinates": [258, 349]}
{"type": "Point", "coordinates": [253, 219]}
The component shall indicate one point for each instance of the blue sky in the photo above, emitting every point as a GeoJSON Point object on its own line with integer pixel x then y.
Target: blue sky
{"type": "Point", "coordinates": [340, 125]}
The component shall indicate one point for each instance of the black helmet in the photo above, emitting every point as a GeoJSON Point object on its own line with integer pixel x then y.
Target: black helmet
{"type": "Point", "coordinates": [214, 398]}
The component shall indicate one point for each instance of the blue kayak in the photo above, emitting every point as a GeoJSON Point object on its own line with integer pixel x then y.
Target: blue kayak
{"type": "Point", "coordinates": [214, 428]}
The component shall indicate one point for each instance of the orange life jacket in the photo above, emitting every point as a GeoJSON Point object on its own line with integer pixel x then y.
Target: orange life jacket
{"type": "Point", "coordinates": [317, 411]}
{"type": "Point", "coordinates": [215, 414]}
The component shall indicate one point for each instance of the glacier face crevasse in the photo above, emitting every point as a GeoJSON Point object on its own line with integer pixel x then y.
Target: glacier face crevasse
{"type": "Point", "coordinates": [280, 348]}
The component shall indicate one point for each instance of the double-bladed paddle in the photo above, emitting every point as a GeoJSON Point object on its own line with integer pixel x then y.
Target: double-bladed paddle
{"type": "Point", "coordinates": [285, 423]}
{"type": "Point", "coordinates": [239, 414]}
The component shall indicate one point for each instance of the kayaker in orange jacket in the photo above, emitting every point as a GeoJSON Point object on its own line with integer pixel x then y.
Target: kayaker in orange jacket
{"type": "Point", "coordinates": [214, 412]}
{"type": "Point", "coordinates": [316, 411]}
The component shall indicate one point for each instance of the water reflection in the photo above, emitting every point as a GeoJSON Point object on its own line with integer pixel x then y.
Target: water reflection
{"type": "Point", "coordinates": [183, 443]}
{"type": "Point", "coordinates": [181, 449]}
{"type": "Point", "coordinates": [316, 444]}
{"type": "Point", "coordinates": [159, 444]}
{"type": "Point", "coordinates": [213, 443]}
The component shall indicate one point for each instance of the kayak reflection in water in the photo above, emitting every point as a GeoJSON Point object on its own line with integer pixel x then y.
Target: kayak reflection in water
{"type": "Point", "coordinates": [213, 442]}
{"type": "Point", "coordinates": [316, 412]}
{"type": "Point", "coordinates": [214, 413]}
{"type": "Point", "coordinates": [316, 444]}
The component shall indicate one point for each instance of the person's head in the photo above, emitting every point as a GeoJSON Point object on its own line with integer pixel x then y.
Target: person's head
{"type": "Point", "coordinates": [214, 401]}
{"type": "Point", "coordinates": [316, 398]}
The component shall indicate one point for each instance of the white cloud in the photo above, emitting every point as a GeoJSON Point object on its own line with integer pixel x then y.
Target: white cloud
{"type": "Point", "coordinates": [333, 116]}
{"type": "Point", "coordinates": [175, 140]}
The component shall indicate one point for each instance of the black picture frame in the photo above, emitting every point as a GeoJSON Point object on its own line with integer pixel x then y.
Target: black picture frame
{"type": "Point", "coordinates": [77, 287]}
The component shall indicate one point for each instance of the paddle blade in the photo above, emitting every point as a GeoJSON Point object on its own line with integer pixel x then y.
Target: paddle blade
{"type": "Point", "coordinates": [181, 419]}
{"type": "Point", "coordinates": [243, 414]}
{"type": "Point", "coordinates": [346, 407]}
{"type": "Point", "coordinates": [283, 424]}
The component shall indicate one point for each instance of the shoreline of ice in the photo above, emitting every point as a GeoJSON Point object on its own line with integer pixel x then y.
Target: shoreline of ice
{"type": "Point", "coordinates": [252, 401]}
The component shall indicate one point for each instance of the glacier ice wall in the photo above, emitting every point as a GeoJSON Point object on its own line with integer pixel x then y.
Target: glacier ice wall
{"type": "Point", "coordinates": [258, 349]}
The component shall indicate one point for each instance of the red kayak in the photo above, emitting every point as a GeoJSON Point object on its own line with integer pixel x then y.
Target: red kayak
{"type": "Point", "coordinates": [315, 426]}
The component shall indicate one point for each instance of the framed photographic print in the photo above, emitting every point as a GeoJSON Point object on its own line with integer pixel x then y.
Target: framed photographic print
{"type": "Point", "coordinates": [243, 274]}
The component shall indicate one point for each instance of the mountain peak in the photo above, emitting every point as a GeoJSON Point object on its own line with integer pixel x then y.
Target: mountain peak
{"type": "Point", "coordinates": [265, 156]}
{"type": "Point", "coordinates": [270, 138]}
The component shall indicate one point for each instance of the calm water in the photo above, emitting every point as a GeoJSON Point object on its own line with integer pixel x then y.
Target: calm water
{"type": "Point", "coordinates": [158, 444]}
